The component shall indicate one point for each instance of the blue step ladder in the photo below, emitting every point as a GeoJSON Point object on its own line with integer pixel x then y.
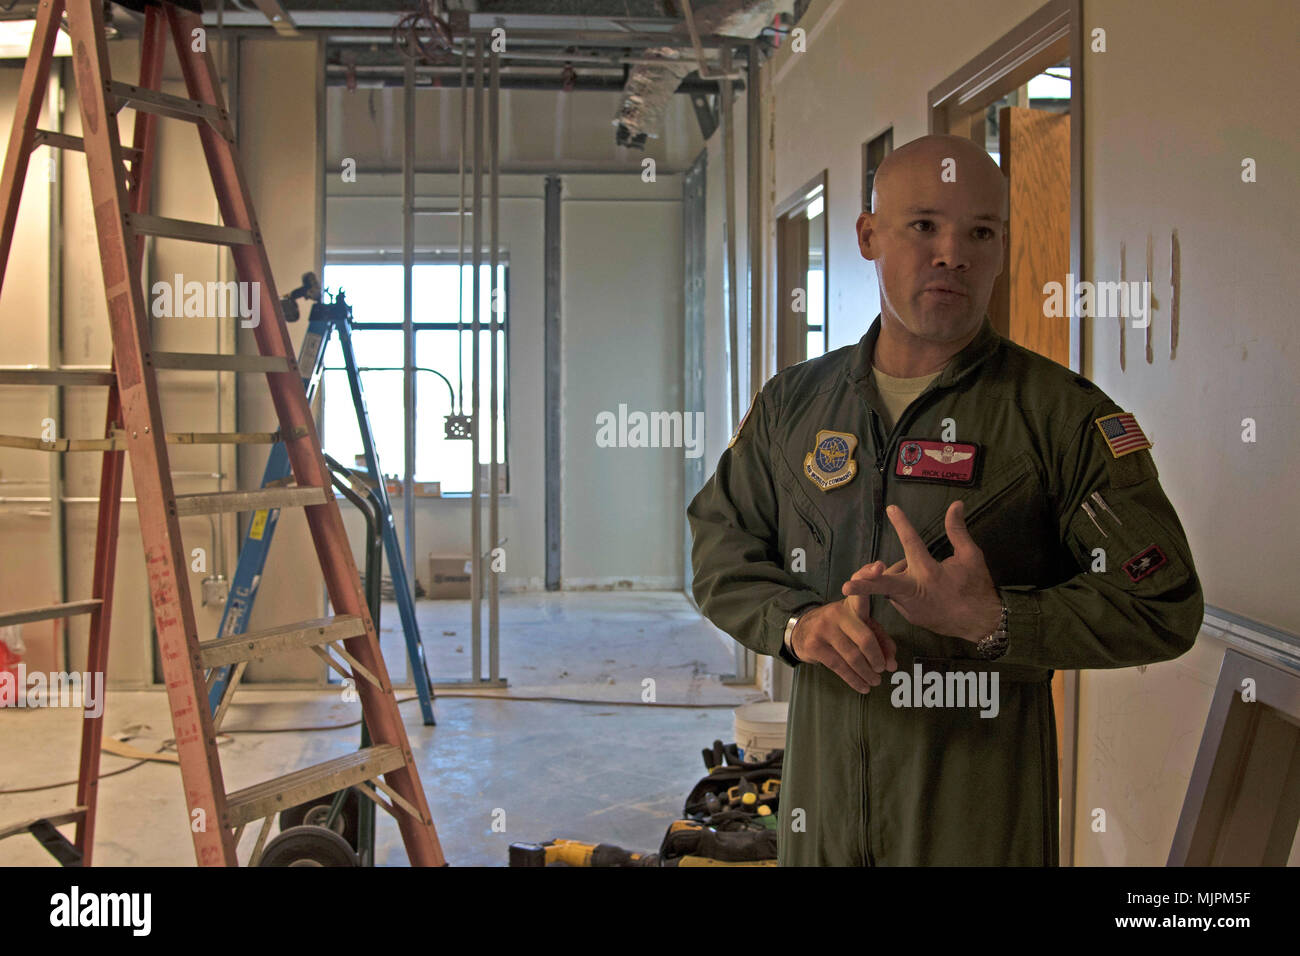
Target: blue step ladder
{"type": "Point", "coordinates": [325, 318]}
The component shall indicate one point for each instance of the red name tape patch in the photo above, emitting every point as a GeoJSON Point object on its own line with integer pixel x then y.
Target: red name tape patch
{"type": "Point", "coordinates": [924, 460]}
{"type": "Point", "coordinates": [1145, 563]}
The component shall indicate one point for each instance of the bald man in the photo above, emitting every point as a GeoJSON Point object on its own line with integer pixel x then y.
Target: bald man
{"type": "Point", "coordinates": [926, 525]}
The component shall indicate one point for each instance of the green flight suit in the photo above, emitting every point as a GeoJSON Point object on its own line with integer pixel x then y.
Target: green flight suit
{"type": "Point", "coordinates": [869, 783]}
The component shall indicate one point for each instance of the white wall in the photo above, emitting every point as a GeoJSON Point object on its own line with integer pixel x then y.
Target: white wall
{"type": "Point", "coordinates": [1183, 94]}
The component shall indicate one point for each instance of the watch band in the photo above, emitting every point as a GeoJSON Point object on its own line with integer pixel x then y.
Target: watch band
{"type": "Point", "coordinates": [994, 645]}
{"type": "Point", "coordinates": [787, 639]}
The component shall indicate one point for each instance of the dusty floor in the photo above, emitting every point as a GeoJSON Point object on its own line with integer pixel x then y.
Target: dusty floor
{"type": "Point", "coordinates": [598, 772]}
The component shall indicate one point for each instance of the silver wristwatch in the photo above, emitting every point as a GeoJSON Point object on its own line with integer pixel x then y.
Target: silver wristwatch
{"type": "Point", "coordinates": [994, 645]}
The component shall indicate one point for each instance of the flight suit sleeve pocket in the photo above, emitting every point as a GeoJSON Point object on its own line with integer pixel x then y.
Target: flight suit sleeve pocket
{"type": "Point", "coordinates": [1112, 535]}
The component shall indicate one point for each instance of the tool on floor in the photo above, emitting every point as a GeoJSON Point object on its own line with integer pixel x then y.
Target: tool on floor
{"type": "Point", "coordinates": [119, 195]}
{"type": "Point", "coordinates": [576, 853]}
{"type": "Point", "coordinates": [325, 319]}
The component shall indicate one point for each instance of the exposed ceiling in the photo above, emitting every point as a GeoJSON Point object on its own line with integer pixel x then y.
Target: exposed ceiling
{"type": "Point", "coordinates": [643, 47]}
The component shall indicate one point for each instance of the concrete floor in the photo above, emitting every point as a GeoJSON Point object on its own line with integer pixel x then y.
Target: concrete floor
{"type": "Point", "coordinates": [597, 772]}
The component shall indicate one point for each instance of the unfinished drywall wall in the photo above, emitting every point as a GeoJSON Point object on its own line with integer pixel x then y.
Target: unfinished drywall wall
{"type": "Point", "coordinates": [274, 152]}
{"type": "Point", "coordinates": [622, 320]}
{"type": "Point", "coordinates": [277, 142]}
{"type": "Point", "coordinates": [365, 216]}
{"type": "Point", "coordinates": [29, 554]}
{"type": "Point", "coordinates": [620, 311]}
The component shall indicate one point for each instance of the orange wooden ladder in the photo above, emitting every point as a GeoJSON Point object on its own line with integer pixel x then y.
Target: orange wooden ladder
{"type": "Point", "coordinates": [385, 771]}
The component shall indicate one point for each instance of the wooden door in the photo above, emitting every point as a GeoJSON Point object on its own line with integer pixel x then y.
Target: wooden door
{"type": "Point", "coordinates": [1035, 148]}
{"type": "Point", "coordinates": [1035, 151]}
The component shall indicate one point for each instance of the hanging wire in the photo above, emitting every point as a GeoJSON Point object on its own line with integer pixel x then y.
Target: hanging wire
{"type": "Point", "coordinates": [423, 34]}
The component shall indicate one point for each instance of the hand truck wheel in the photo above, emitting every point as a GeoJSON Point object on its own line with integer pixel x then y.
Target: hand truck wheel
{"type": "Point", "coordinates": [308, 846]}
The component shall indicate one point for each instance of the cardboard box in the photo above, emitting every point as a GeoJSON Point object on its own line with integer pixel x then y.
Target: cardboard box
{"type": "Point", "coordinates": [449, 576]}
{"type": "Point", "coordinates": [421, 489]}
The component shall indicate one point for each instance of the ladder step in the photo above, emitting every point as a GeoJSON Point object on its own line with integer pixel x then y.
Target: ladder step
{"type": "Point", "coordinates": [164, 104]}
{"type": "Point", "coordinates": [223, 502]}
{"type": "Point", "coordinates": [29, 375]}
{"type": "Point", "coordinates": [47, 137]}
{"type": "Point", "coordinates": [256, 645]}
{"type": "Point", "coordinates": [264, 799]}
{"type": "Point", "coordinates": [211, 362]}
{"type": "Point", "coordinates": [71, 609]}
{"type": "Point", "coordinates": [190, 231]}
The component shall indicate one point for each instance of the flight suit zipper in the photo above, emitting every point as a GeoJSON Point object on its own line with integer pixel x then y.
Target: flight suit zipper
{"type": "Point", "coordinates": [884, 453]}
{"type": "Point", "coordinates": [878, 512]}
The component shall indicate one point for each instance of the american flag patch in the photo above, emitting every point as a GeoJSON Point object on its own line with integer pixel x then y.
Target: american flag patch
{"type": "Point", "coordinates": [1122, 434]}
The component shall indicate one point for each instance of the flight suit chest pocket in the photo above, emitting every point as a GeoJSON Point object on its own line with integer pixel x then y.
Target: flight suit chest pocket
{"type": "Point", "coordinates": [803, 534]}
{"type": "Point", "coordinates": [1010, 517]}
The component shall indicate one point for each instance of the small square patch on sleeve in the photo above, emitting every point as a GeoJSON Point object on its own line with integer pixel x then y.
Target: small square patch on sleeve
{"type": "Point", "coordinates": [1145, 563]}
{"type": "Point", "coordinates": [1122, 434]}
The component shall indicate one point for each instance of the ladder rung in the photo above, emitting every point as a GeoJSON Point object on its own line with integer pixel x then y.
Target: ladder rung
{"type": "Point", "coordinates": [256, 645]}
{"type": "Point", "coordinates": [17, 375]}
{"type": "Point", "coordinates": [190, 231]}
{"type": "Point", "coordinates": [212, 362]}
{"type": "Point", "coordinates": [54, 819]}
{"type": "Point", "coordinates": [232, 438]}
{"type": "Point", "coordinates": [63, 444]}
{"type": "Point", "coordinates": [223, 502]}
{"type": "Point", "coordinates": [118, 440]}
{"type": "Point", "coordinates": [47, 137]}
{"type": "Point", "coordinates": [71, 609]}
{"type": "Point", "coordinates": [164, 104]}
{"type": "Point", "coordinates": [264, 799]}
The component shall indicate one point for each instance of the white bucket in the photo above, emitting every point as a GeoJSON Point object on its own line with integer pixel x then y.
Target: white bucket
{"type": "Point", "coordinates": [760, 729]}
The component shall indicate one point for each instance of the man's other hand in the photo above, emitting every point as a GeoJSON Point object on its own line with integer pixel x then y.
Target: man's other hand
{"type": "Point", "coordinates": [844, 637]}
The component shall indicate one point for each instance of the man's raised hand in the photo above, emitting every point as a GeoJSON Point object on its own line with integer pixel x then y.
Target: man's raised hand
{"type": "Point", "coordinates": [955, 597]}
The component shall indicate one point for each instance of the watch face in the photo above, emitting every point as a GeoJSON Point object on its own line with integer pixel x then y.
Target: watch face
{"type": "Point", "coordinates": [993, 646]}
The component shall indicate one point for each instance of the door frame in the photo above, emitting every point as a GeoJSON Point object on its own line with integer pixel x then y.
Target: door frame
{"type": "Point", "coordinates": [1050, 34]}
{"type": "Point", "coordinates": [783, 214]}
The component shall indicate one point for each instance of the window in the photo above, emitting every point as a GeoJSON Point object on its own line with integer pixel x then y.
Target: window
{"type": "Point", "coordinates": [444, 368]}
{"type": "Point", "coordinates": [873, 154]}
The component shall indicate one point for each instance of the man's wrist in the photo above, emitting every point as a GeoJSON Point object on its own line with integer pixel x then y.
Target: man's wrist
{"type": "Point", "coordinates": [787, 641]}
{"type": "Point", "coordinates": [987, 620]}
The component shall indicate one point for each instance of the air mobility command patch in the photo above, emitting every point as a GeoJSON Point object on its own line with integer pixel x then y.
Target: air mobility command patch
{"type": "Point", "coordinates": [921, 459]}
{"type": "Point", "coordinates": [1122, 434]}
{"type": "Point", "coordinates": [830, 464]}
